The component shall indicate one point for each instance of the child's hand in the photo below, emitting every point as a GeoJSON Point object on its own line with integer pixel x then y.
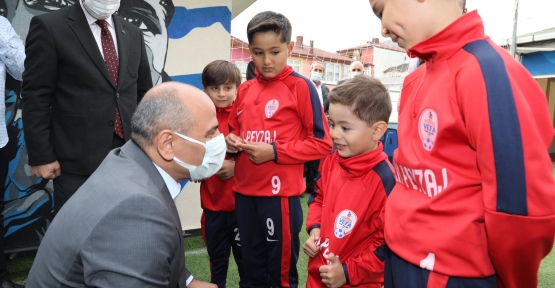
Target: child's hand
{"type": "Point", "coordinates": [310, 247]}
{"type": "Point", "coordinates": [258, 152]}
{"type": "Point", "coordinates": [332, 274]}
{"type": "Point", "coordinates": [227, 169]}
{"type": "Point", "coordinates": [231, 142]}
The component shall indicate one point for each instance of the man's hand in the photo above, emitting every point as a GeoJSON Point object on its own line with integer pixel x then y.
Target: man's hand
{"type": "Point", "coordinates": [227, 169]}
{"type": "Point", "coordinates": [47, 171]}
{"type": "Point", "coordinates": [231, 141]}
{"type": "Point", "coordinates": [332, 274]}
{"type": "Point", "coordinates": [258, 152]}
{"type": "Point", "coordinates": [200, 284]}
{"type": "Point", "coordinates": [310, 247]}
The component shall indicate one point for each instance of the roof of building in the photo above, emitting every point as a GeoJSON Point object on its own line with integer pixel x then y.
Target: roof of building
{"type": "Point", "coordinates": [400, 68]}
{"type": "Point", "coordinates": [370, 45]}
{"type": "Point", "coordinates": [301, 50]}
{"type": "Point", "coordinates": [542, 36]}
{"type": "Point", "coordinates": [316, 53]}
{"type": "Point", "coordinates": [238, 43]}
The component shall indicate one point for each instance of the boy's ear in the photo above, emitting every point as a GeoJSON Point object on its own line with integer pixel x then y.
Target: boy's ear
{"type": "Point", "coordinates": [380, 128]}
{"type": "Point", "coordinates": [290, 48]}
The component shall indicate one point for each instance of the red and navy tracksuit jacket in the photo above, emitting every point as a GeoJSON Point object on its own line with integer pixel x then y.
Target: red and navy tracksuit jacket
{"type": "Point", "coordinates": [218, 222]}
{"type": "Point", "coordinates": [284, 111]}
{"type": "Point", "coordinates": [475, 194]}
{"type": "Point", "coordinates": [348, 209]}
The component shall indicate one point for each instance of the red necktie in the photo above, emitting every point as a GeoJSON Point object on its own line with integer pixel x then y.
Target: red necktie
{"type": "Point", "coordinates": [112, 63]}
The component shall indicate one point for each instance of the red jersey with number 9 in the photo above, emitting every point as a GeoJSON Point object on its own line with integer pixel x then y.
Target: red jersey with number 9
{"type": "Point", "coordinates": [285, 112]}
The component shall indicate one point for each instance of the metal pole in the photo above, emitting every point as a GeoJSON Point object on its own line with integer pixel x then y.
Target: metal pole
{"type": "Point", "coordinates": [513, 43]}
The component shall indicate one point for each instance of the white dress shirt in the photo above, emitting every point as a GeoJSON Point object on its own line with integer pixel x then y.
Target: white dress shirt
{"type": "Point", "coordinates": [319, 89]}
{"type": "Point", "coordinates": [96, 30]}
{"type": "Point", "coordinates": [413, 64]}
{"type": "Point", "coordinates": [12, 57]}
{"type": "Point", "coordinates": [175, 189]}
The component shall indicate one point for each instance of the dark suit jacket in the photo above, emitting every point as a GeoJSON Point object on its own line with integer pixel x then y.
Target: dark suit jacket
{"type": "Point", "coordinates": [326, 100]}
{"type": "Point", "coordinates": [120, 229]}
{"type": "Point", "coordinates": [342, 81]}
{"type": "Point", "coordinates": [69, 101]}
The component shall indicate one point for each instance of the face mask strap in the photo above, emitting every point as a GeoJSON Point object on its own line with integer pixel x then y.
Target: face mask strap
{"type": "Point", "coordinates": [190, 139]}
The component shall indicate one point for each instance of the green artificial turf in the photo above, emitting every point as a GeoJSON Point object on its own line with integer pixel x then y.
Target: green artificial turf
{"type": "Point", "coordinates": [198, 264]}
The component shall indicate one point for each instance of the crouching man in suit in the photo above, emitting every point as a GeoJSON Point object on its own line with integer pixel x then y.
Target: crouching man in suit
{"type": "Point", "coordinates": [121, 228]}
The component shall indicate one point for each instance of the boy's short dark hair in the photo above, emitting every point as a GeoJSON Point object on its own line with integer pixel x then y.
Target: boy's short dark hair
{"type": "Point", "coordinates": [270, 21]}
{"type": "Point", "coordinates": [220, 72]}
{"type": "Point", "coordinates": [367, 98]}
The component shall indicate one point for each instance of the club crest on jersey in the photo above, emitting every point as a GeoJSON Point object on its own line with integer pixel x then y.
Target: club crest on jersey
{"type": "Point", "coordinates": [271, 108]}
{"type": "Point", "coordinates": [427, 128]}
{"type": "Point", "coordinates": [344, 223]}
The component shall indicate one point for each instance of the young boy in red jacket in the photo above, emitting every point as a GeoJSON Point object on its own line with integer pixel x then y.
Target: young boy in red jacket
{"type": "Point", "coordinates": [220, 80]}
{"type": "Point", "coordinates": [474, 204]}
{"type": "Point", "coordinates": [277, 123]}
{"type": "Point", "coordinates": [346, 244]}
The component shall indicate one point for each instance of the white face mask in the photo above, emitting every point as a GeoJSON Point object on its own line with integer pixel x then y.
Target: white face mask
{"type": "Point", "coordinates": [354, 74]}
{"type": "Point", "coordinates": [101, 9]}
{"type": "Point", "coordinates": [316, 76]}
{"type": "Point", "coordinates": [212, 161]}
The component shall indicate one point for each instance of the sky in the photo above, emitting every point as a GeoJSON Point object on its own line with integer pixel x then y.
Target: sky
{"type": "Point", "coordinates": [339, 24]}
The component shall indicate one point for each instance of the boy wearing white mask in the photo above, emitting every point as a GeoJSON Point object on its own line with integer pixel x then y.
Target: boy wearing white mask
{"type": "Point", "coordinates": [86, 70]}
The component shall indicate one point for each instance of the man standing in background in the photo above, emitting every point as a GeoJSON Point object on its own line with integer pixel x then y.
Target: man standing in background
{"type": "Point", "coordinates": [12, 55]}
{"type": "Point", "coordinates": [317, 73]}
{"type": "Point", "coordinates": [356, 68]}
{"type": "Point", "coordinates": [85, 72]}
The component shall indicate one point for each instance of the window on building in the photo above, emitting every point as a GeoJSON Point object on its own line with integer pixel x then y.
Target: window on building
{"type": "Point", "coordinates": [242, 67]}
{"type": "Point", "coordinates": [295, 64]}
{"type": "Point", "coordinates": [333, 72]}
{"type": "Point", "coordinates": [345, 71]}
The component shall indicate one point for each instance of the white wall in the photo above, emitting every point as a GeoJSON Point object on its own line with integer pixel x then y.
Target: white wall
{"type": "Point", "coordinates": [384, 58]}
{"type": "Point", "coordinates": [188, 56]}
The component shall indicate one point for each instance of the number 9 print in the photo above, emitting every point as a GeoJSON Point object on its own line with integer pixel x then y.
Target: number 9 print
{"type": "Point", "coordinates": [276, 183]}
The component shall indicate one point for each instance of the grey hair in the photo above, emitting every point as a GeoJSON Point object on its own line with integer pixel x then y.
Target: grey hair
{"type": "Point", "coordinates": [317, 62]}
{"type": "Point", "coordinates": [163, 110]}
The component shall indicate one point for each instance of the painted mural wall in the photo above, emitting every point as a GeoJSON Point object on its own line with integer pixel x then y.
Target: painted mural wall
{"type": "Point", "coordinates": [181, 37]}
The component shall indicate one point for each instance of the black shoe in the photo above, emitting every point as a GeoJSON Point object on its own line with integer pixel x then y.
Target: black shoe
{"type": "Point", "coordinates": [10, 284]}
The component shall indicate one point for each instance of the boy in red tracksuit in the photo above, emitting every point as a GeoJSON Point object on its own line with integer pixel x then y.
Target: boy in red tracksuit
{"type": "Point", "coordinates": [220, 80]}
{"type": "Point", "coordinates": [474, 204]}
{"type": "Point", "coordinates": [277, 123]}
{"type": "Point", "coordinates": [346, 245]}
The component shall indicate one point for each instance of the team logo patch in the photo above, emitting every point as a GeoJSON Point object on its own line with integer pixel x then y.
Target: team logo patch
{"type": "Point", "coordinates": [344, 223]}
{"type": "Point", "coordinates": [271, 108]}
{"type": "Point", "coordinates": [427, 128]}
